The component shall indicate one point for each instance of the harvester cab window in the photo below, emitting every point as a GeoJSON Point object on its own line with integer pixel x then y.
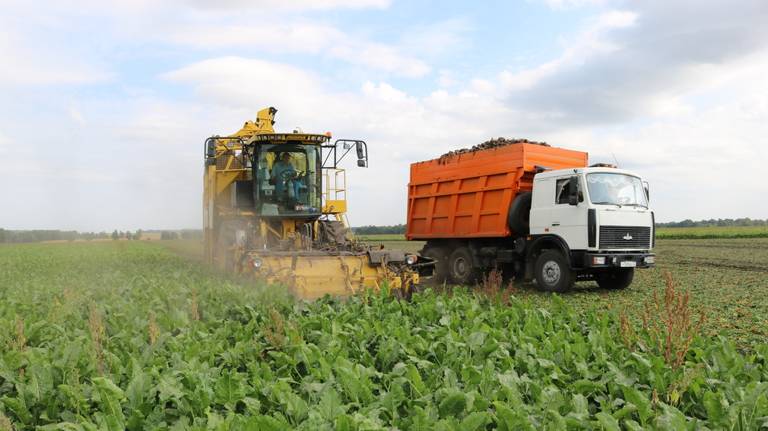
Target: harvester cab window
{"type": "Point", "coordinates": [288, 179]}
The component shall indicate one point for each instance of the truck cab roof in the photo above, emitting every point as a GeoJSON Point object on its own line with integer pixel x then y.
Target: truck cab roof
{"type": "Point", "coordinates": [572, 171]}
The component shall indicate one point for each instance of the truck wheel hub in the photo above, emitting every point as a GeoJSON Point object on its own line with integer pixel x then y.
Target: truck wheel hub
{"type": "Point", "coordinates": [460, 266]}
{"type": "Point", "coordinates": [551, 272]}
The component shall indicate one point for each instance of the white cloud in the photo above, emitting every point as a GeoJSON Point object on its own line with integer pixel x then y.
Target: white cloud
{"type": "Point", "coordinates": [307, 37]}
{"type": "Point", "coordinates": [290, 4]}
{"type": "Point", "coordinates": [572, 4]}
{"type": "Point", "coordinates": [31, 63]}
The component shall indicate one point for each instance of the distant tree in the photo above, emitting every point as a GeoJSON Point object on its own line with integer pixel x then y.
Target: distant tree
{"type": "Point", "coordinates": [168, 235]}
{"type": "Point", "coordinates": [191, 234]}
{"type": "Point", "coordinates": [377, 230]}
{"type": "Point", "coordinates": [3, 235]}
{"type": "Point", "coordinates": [137, 235]}
{"type": "Point", "coordinates": [115, 235]}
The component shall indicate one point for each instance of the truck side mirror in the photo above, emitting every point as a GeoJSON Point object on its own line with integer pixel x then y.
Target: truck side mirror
{"type": "Point", "coordinates": [360, 150]}
{"type": "Point", "coordinates": [362, 163]}
{"type": "Point", "coordinates": [647, 191]}
{"type": "Point", "coordinates": [573, 191]}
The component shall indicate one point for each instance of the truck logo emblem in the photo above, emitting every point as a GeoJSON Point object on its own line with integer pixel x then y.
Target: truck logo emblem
{"type": "Point", "coordinates": [627, 237]}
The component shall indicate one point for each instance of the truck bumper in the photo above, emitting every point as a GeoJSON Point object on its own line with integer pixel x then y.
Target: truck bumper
{"type": "Point", "coordinates": [599, 260]}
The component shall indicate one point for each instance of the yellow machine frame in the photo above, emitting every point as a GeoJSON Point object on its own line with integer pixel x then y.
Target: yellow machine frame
{"type": "Point", "coordinates": [307, 272]}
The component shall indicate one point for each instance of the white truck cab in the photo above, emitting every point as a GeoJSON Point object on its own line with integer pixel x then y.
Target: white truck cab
{"type": "Point", "coordinates": [601, 222]}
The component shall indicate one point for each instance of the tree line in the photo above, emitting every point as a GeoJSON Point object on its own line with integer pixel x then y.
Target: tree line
{"type": "Point", "coordinates": [746, 221]}
{"type": "Point", "coordinates": [39, 235]}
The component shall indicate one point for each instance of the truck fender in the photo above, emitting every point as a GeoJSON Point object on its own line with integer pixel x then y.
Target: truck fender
{"type": "Point", "coordinates": [541, 242]}
{"type": "Point", "coordinates": [519, 215]}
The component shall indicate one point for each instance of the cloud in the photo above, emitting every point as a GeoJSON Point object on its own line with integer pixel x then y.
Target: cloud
{"type": "Point", "coordinates": [293, 5]}
{"type": "Point", "coordinates": [299, 36]}
{"type": "Point", "coordinates": [634, 63]}
{"type": "Point", "coordinates": [33, 63]}
{"type": "Point", "coordinates": [572, 4]}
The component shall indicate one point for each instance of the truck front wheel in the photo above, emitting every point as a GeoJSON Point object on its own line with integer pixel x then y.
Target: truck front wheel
{"type": "Point", "coordinates": [553, 272]}
{"type": "Point", "coordinates": [461, 266]}
{"type": "Point", "coordinates": [615, 279]}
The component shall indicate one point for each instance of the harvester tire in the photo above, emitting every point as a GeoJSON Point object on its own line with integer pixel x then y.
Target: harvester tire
{"type": "Point", "coordinates": [440, 256]}
{"type": "Point", "coordinates": [461, 267]}
{"type": "Point", "coordinates": [616, 279]}
{"type": "Point", "coordinates": [520, 214]}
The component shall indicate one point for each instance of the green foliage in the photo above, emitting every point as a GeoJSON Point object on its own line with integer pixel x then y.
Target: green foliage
{"type": "Point", "coordinates": [713, 232]}
{"type": "Point", "coordinates": [253, 359]}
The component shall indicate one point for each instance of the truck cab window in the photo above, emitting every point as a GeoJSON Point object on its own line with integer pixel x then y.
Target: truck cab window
{"type": "Point", "coordinates": [561, 191]}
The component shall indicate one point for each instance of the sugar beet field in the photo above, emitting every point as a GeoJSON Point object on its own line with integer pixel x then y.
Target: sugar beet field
{"type": "Point", "coordinates": [135, 335]}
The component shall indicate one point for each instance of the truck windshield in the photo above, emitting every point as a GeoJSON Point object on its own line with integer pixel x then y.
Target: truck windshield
{"type": "Point", "coordinates": [616, 189]}
{"type": "Point", "coordinates": [288, 179]}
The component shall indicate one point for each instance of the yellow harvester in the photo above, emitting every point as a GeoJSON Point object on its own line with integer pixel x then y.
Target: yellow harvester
{"type": "Point", "coordinates": [274, 205]}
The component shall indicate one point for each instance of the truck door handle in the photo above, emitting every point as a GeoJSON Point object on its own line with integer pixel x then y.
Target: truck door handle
{"type": "Point", "coordinates": [556, 224]}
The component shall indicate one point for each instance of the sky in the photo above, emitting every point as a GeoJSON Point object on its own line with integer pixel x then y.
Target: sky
{"type": "Point", "coordinates": [104, 106]}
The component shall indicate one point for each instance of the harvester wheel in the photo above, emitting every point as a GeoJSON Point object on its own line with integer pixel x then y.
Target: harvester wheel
{"type": "Point", "coordinates": [440, 256]}
{"type": "Point", "coordinates": [461, 267]}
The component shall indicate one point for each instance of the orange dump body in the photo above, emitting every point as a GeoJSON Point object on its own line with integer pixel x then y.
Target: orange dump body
{"type": "Point", "coordinates": [468, 195]}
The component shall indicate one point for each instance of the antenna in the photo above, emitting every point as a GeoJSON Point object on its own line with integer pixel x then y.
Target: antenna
{"type": "Point", "coordinates": [614, 159]}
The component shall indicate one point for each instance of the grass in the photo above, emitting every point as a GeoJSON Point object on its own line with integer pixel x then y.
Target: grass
{"type": "Point", "coordinates": [712, 232]}
{"type": "Point", "coordinates": [128, 335]}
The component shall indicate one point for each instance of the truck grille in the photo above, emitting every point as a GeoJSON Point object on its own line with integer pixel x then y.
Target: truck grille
{"type": "Point", "coordinates": [625, 237]}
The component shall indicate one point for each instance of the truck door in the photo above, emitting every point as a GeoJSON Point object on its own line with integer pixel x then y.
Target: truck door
{"type": "Point", "coordinates": [569, 221]}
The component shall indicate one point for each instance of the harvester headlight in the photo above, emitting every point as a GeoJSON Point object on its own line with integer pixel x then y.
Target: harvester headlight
{"type": "Point", "coordinates": [411, 259]}
{"type": "Point", "coordinates": [257, 263]}
{"type": "Point", "coordinates": [598, 260]}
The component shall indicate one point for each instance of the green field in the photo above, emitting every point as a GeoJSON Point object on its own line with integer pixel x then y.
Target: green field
{"type": "Point", "coordinates": [712, 232]}
{"type": "Point", "coordinates": [128, 335]}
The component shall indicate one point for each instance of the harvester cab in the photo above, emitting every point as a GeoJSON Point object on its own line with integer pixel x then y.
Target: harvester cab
{"type": "Point", "coordinates": [275, 206]}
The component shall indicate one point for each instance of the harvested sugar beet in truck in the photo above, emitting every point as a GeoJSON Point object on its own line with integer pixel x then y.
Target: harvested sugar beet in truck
{"type": "Point", "coordinates": [532, 211]}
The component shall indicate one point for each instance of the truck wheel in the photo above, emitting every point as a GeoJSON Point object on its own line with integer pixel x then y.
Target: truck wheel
{"type": "Point", "coordinates": [520, 214]}
{"type": "Point", "coordinates": [461, 267]}
{"type": "Point", "coordinates": [440, 274]}
{"type": "Point", "coordinates": [553, 272]}
{"type": "Point", "coordinates": [615, 279]}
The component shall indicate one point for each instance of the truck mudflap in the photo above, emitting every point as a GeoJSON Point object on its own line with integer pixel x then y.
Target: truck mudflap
{"type": "Point", "coordinates": [597, 260]}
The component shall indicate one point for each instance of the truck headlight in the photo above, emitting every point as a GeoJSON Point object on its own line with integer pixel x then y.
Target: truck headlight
{"type": "Point", "coordinates": [598, 260]}
{"type": "Point", "coordinates": [411, 259]}
{"type": "Point", "coordinates": [650, 259]}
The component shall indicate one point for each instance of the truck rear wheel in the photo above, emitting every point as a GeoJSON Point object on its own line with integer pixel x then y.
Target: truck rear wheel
{"type": "Point", "coordinates": [553, 272]}
{"type": "Point", "coordinates": [440, 273]}
{"type": "Point", "coordinates": [615, 279]}
{"type": "Point", "coordinates": [461, 266]}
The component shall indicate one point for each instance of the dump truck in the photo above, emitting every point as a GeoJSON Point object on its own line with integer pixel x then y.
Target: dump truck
{"type": "Point", "coordinates": [532, 211]}
{"type": "Point", "coordinates": [274, 207]}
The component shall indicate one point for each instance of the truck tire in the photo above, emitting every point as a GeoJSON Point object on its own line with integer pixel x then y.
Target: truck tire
{"type": "Point", "coordinates": [553, 272]}
{"type": "Point", "coordinates": [520, 214]}
{"type": "Point", "coordinates": [461, 267]}
{"type": "Point", "coordinates": [440, 255]}
{"type": "Point", "coordinates": [615, 279]}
